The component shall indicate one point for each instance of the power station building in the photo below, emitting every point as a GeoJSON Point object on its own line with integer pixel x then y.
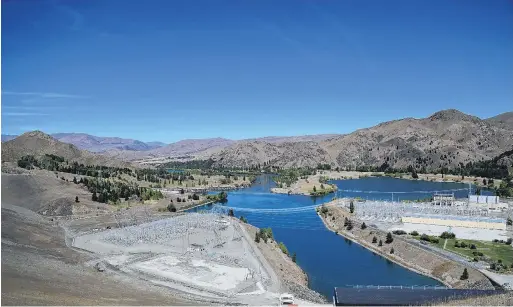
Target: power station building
{"type": "Point", "coordinates": [456, 221]}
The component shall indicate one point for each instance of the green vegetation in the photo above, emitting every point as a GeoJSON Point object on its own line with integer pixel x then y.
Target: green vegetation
{"type": "Point", "coordinates": [243, 219]}
{"type": "Point", "coordinates": [464, 275]}
{"type": "Point", "coordinates": [171, 207]}
{"type": "Point", "coordinates": [414, 233]}
{"type": "Point", "coordinates": [414, 173]}
{"type": "Point", "coordinates": [294, 256]}
{"type": "Point", "coordinates": [392, 250]}
{"type": "Point", "coordinates": [399, 232]}
{"type": "Point", "coordinates": [380, 243]}
{"type": "Point", "coordinates": [58, 164]}
{"type": "Point", "coordinates": [491, 252]}
{"type": "Point", "coordinates": [363, 226]}
{"type": "Point", "coordinates": [287, 177]}
{"type": "Point", "coordinates": [265, 234]}
{"type": "Point", "coordinates": [323, 166]}
{"type": "Point", "coordinates": [222, 197]}
{"type": "Point", "coordinates": [283, 248]}
{"type": "Point", "coordinates": [432, 239]}
{"type": "Point", "coordinates": [322, 191]}
{"type": "Point", "coordinates": [389, 238]}
{"type": "Point", "coordinates": [105, 190]}
{"type": "Point", "coordinates": [374, 239]}
{"type": "Point", "coordinates": [351, 207]}
{"type": "Point", "coordinates": [447, 235]}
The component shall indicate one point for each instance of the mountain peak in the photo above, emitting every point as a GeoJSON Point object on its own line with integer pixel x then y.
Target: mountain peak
{"type": "Point", "coordinates": [38, 134]}
{"type": "Point", "coordinates": [451, 115]}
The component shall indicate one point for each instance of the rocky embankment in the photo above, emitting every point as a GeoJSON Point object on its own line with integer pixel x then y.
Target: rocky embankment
{"type": "Point", "coordinates": [294, 279]}
{"type": "Point", "coordinates": [404, 253]}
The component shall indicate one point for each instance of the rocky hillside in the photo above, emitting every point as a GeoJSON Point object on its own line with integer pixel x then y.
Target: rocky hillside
{"type": "Point", "coordinates": [504, 120]}
{"type": "Point", "coordinates": [445, 139]}
{"type": "Point", "coordinates": [192, 146]}
{"type": "Point", "coordinates": [97, 143]}
{"type": "Point", "coordinates": [37, 143]}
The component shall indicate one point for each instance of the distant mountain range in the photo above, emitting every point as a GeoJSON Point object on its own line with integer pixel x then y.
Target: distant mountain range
{"type": "Point", "coordinates": [99, 144]}
{"type": "Point", "coordinates": [130, 147]}
{"type": "Point", "coordinates": [444, 139]}
{"type": "Point", "coordinates": [37, 143]}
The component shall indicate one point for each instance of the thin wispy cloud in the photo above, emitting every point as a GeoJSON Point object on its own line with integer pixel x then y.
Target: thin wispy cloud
{"type": "Point", "coordinates": [32, 108]}
{"type": "Point", "coordinates": [24, 114]}
{"type": "Point", "coordinates": [44, 95]}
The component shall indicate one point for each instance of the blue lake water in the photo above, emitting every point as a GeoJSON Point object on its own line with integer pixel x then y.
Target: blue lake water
{"type": "Point", "coordinates": [328, 259]}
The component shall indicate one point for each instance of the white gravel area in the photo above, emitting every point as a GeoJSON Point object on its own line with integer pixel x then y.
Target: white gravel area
{"type": "Point", "coordinates": [460, 232]}
{"type": "Point", "coordinates": [199, 255]}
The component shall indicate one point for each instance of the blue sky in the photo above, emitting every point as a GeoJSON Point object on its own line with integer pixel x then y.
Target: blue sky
{"type": "Point", "coordinates": [170, 70]}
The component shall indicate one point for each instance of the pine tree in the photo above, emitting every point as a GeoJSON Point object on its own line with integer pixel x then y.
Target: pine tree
{"type": "Point", "coordinates": [76, 199]}
{"type": "Point", "coordinates": [257, 237]}
{"type": "Point", "coordinates": [363, 226]}
{"type": "Point", "coordinates": [294, 257]}
{"type": "Point", "coordinates": [374, 240]}
{"type": "Point", "coordinates": [75, 180]}
{"type": "Point", "coordinates": [380, 243]}
{"type": "Point", "coordinates": [392, 250]}
{"type": "Point", "coordinates": [464, 276]}
{"type": "Point", "coordinates": [351, 207]}
{"type": "Point", "coordinates": [95, 197]}
{"type": "Point", "coordinates": [389, 239]}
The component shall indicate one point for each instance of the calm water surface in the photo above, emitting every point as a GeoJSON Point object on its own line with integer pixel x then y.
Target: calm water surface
{"type": "Point", "coordinates": [328, 259]}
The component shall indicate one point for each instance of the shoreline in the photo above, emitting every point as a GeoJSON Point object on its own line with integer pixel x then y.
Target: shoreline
{"type": "Point", "coordinates": [447, 271]}
{"type": "Point", "coordinates": [380, 253]}
{"type": "Point", "coordinates": [304, 186]}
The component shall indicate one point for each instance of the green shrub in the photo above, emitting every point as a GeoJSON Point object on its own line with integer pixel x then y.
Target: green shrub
{"type": "Point", "coordinates": [283, 248]}
{"type": "Point", "coordinates": [447, 235]}
{"type": "Point", "coordinates": [171, 207]}
{"type": "Point", "coordinates": [399, 232]}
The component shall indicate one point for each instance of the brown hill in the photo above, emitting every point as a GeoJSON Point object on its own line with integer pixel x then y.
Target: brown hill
{"type": "Point", "coordinates": [37, 143]}
{"type": "Point", "coordinates": [505, 120]}
{"type": "Point", "coordinates": [288, 154]}
{"type": "Point", "coordinates": [444, 139]}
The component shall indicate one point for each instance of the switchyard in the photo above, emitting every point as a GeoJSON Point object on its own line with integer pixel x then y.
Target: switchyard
{"type": "Point", "coordinates": [205, 256]}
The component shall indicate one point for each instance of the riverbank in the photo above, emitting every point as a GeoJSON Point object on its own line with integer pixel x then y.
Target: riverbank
{"type": "Point", "coordinates": [400, 251]}
{"type": "Point", "coordinates": [294, 279]}
{"type": "Point", "coordinates": [305, 186]}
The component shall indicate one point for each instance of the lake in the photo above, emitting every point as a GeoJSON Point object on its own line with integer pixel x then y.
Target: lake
{"type": "Point", "coordinates": [328, 259]}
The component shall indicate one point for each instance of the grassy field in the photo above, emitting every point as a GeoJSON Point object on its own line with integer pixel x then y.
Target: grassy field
{"type": "Point", "coordinates": [492, 252]}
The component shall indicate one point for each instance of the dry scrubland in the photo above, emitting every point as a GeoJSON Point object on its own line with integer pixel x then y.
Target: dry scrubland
{"type": "Point", "coordinates": [405, 254]}
{"type": "Point", "coordinates": [38, 268]}
{"type": "Point", "coordinates": [505, 299]}
{"type": "Point", "coordinates": [144, 256]}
